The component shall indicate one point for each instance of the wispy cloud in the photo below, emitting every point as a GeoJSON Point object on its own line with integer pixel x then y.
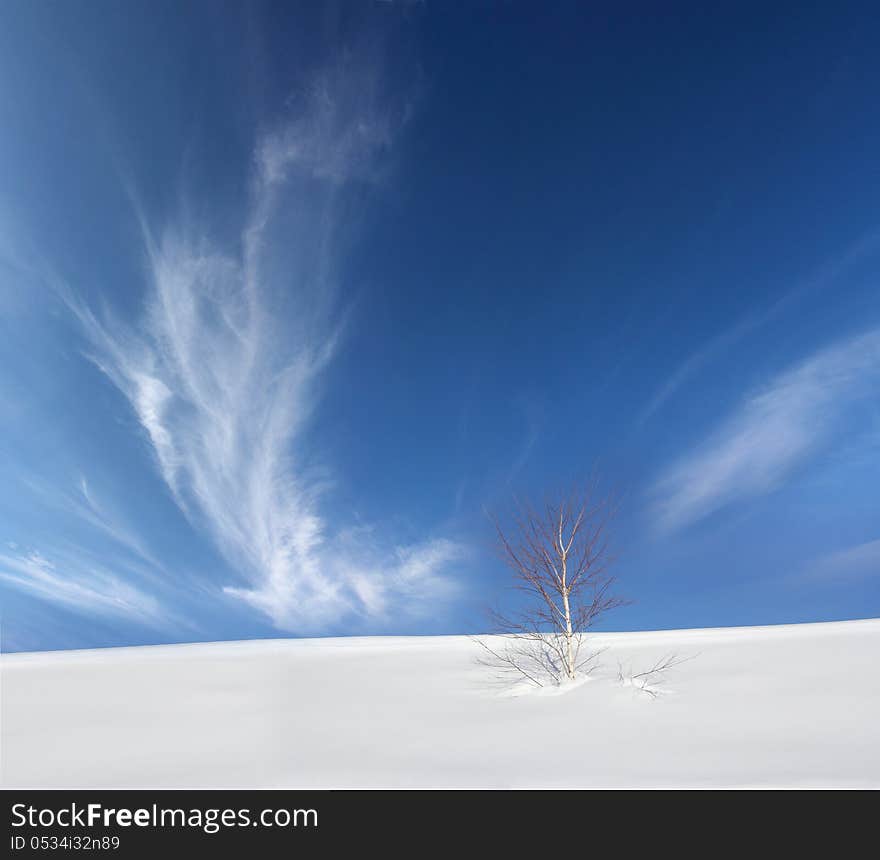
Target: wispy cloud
{"type": "Point", "coordinates": [847, 565]}
{"type": "Point", "coordinates": [77, 584]}
{"type": "Point", "coordinates": [695, 362]}
{"type": "Point", "coordinates": [533, 413]}
{"type": "Point", "coordinates": [94, 562]}
{"type": "Point", "coordinates": [225, 368]}
{"type": "Point", "coordinates": [830, 274]}
{"type": "Point", "coordinates": [85, 504]}
{"type": "Point", "coordinates": [772, 431]}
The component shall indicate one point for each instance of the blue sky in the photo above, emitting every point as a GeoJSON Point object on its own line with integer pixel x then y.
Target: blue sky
{"type": "Point", "coordinates": [290, 296]}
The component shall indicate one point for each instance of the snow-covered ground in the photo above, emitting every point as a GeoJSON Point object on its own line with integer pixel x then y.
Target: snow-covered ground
{"type": "Point", "coordinates": [792, 705]}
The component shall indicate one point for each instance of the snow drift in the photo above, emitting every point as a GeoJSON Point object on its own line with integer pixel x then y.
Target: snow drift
{"type": "Point", "coordinates": [795, 705]}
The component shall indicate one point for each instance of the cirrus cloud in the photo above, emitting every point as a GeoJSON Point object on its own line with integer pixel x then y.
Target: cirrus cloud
{"type": "Point", "coordinates": [771, 432]}
{"type": "Point", "coordinates": [225, 368]}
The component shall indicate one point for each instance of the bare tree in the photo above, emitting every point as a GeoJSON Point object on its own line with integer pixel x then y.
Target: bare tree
{"type": "Point", "coordinates": [559, 556]}
{"type": "Point", "coordinates": [652, 680]}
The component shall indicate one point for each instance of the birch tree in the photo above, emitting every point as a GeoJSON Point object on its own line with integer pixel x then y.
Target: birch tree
{"type": "Point", "coordinates": [559, 557]}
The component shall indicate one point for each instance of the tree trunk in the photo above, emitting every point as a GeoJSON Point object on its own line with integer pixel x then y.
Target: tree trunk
{"type": "Point", "coordinates": [569, 635]}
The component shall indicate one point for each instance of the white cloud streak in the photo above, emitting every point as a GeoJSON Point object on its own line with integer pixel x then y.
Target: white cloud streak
{"type": "Point", "coordinates": [772, 432]}
{"type": "Point", "coordinates": [119, 577]}
{"type": "Point", "coordinates": [80, 586]}
{"type": "Point", "coordinates": [85, 504]}
{"type": "Point", "coordinates": [862, 250]}
{"type": "Point", "coordinates": [847, 565]}
{"type": "Point", "coordinates": [225, 368]}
